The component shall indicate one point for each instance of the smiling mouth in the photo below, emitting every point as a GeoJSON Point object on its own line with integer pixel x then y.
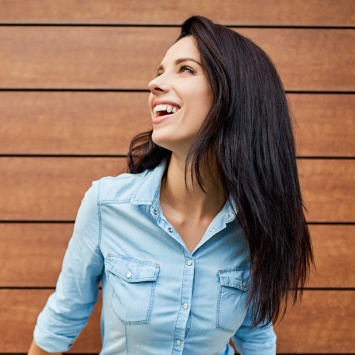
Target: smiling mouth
{"type": "Point", "coordinates": [163, 110]}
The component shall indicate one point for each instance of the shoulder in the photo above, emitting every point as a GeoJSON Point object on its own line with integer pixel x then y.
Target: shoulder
{"type": "Point", "coordinates": [125, 188]}
{"type": "Point", "coordinates": [118, 188]}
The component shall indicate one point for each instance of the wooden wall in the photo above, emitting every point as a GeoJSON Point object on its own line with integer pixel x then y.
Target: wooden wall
{"type": "Point", "coordinates": [73, 91]}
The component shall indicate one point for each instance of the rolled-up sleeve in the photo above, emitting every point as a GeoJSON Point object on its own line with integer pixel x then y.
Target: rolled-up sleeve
{"type": "Point", "coordinates": [260, 340]}
{"type": "Point", "coordinates": [69, 307]}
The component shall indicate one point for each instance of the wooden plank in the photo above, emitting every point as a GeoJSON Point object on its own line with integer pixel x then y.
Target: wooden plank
{"type": "Point", "coordinates": [52, 188]}
{"type": "Point", "coordinates": [334, 251]}
{"type": "Point", "coordinates": [31, 254]}
{"type": "Point", "coordinates": [111, 57]}
{"type": "Point", "coordinates": [328, 188]}
{"type": "Point", "coordinates": [320, 325]}
{"type": "Point", "coordinates": [103, 123]}
{"type": "Point", "coordinates": [49, 188]}
{"type": "Point", "coordinates": [324, 125]}
{"type": "Point", "coordinates": [256, 12]}
{"type": "Point", "coordinates": [19, 310]}
{"type": "Point", "coordinates": [57, 123]}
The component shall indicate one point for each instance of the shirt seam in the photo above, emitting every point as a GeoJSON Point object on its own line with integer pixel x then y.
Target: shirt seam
{"type": "Point", "coordinates": [99, 215]}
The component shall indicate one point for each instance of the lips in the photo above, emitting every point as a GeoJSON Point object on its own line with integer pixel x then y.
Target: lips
{"type": "Point", "coordinates": [163, 110]}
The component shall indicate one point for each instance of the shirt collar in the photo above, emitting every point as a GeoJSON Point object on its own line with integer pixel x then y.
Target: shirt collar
{"type": "Point", "coordinates": [148, 190]}
{"type": "Point", "coordinates": [149, 185]}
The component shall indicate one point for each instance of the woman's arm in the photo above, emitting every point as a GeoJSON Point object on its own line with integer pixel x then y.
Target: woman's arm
{"type": "Point", "coordinates": [255, 341]}
{"type": "Point", "coordinates": [69, 307]}
{"type": "Point", "coordinates": [36, 350]}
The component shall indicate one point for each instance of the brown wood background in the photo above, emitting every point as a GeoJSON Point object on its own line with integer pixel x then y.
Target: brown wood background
{"type": "Point", "coordinates": [73, 91]}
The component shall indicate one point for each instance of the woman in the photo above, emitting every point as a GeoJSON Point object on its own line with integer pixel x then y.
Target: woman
{"type": "Point", "coordinates": [205, 239]}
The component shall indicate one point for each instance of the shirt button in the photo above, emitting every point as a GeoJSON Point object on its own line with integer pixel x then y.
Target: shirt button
{"type": "Point", "coordinates": [185, 306]}
{"type": "Point", "coordinates": [212, 229]}
{"type": "Point", "coordinates": [170, 230]}
{"type": "Point", "coordinates": [155, 212]}
{"type": "Point", "coordinates": [189, 262]}
{"type": "Point", "coordinates": [178, 342]}
{"type": "Point", "coordinates": [128, 275]}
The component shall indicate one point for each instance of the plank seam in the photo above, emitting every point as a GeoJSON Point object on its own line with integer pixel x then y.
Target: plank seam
{"type": "Point", "coordinates": [306, 92]}
{"type": "Point", "coordinates": [120, 156]}
{"type": "Point", "coordinates": [167, 25]}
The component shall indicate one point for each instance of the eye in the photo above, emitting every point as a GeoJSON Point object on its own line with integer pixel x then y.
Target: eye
{"type": "Point", "coordinates": [186, 69]}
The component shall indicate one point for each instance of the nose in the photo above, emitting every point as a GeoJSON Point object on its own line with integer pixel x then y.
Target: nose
{"type": "Point", "coordinates": [158, 85]}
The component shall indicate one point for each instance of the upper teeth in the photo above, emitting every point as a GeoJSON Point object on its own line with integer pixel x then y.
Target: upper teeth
{"type": "Point", "coordinates": [167, 108]}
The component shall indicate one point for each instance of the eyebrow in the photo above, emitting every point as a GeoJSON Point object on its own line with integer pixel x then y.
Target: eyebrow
{"type": "Point", "coordinates": [181, 60]}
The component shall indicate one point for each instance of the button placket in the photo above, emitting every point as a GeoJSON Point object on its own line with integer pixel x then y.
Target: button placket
{"type": "Point", "coordinates": [186, 299]}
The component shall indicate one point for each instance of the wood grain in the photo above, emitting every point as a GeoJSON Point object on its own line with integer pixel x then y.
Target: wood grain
{"type": "Point", "coordinates": [31, 254]}
{"type": "Point", "coordinates": [43, 189]}
{"type": "Point", "coordinates": [19, 310]}
{"type": "Point", "coordinates": [103, 123]}
{"type": "Point", "coordinates": [49, 188]}
{"type": "Point", "coordinates": [324, 125]}
{"type": "Point", "coordinates": [111, 57]}
{"type": "Point", "coordinates": [320, 325]}
{"type": "Point", "coordinates": [100, 123]}
{"type": "Point", "coordinates": [334, 250]}
{"type": "Point", "coordinates": [328, 188]}
{"type": "Point", "coordinates": [256, 12]}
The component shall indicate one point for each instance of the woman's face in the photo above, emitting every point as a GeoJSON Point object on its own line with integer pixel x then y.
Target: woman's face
{"type": "Point", "coordinates": [180, 98]}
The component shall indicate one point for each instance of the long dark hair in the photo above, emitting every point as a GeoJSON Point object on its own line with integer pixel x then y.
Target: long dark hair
{"type": "Point", "coordinates": [249, 130]}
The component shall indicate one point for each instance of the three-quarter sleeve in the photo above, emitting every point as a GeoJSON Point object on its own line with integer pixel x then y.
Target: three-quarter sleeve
{"type": "Point", "coordinates": [69, 307]}
{"type": "Point", "coordinates": [255, 341]}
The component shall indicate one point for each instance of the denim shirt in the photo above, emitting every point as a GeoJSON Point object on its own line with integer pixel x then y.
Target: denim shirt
{"type": "Point", "coordinates": [158, 298]}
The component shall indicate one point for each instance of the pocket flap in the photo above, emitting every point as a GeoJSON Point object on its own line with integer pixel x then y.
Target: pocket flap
{"type": "Point", "coordinates": [132, 270]}
{"type": "Point", "coordinates": [235, 278]}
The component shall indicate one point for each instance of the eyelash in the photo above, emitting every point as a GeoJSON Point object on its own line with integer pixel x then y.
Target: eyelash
{"type": "Point", "coordinates": [183, 68]}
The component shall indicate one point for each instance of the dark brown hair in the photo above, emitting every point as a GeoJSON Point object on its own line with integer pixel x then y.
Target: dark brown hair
{"type": "Point", "coordinates": [250, 132]}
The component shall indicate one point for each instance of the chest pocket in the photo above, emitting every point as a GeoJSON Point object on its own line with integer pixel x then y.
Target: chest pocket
{"type": "Point", "coordinates": [133, 285]}
{"type": "Point", "coordinates": [232, 298]}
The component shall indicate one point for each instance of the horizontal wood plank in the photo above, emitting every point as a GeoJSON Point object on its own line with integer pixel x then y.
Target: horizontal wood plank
{"type": "Point", "coordinates": [31, 254]}
{"type": "Point", "coordinates": [103, 123]}
{"type": "Point", "coordinates": [328, 188]}
{"type": "Point", "coordinates": [71, 122]}
{"type": "Point", "coordinates": [111, 57]}
{"type": "Point", "coordinates": [52, 188]}
{"type": "Point", "coordinates": [324, 125]}
{"type": "Point", "coordinates": [19, 310]}
{"type": "Point", "coordinates": [334, 250]}
{"type": "Point", "coordinates": [320, 325]}
{"type": "Point", "coordinates": [256, 12]}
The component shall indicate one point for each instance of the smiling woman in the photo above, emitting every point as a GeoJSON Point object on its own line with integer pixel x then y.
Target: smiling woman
{"type": "Point", "coordinates": [182, 86]}
{"type": "Point", "coordinates": [204, 239]}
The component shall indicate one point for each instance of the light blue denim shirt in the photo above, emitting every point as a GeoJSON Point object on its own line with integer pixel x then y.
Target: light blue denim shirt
{"type": "Point", "coordinates": [158, 298]}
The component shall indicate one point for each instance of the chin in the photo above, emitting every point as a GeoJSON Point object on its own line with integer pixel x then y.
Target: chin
{"type": "Point", "coordinates": [159, 140]}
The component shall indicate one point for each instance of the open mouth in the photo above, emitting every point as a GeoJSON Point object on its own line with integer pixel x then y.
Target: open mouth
{"type": "Point", "coordinates": [163, 110]}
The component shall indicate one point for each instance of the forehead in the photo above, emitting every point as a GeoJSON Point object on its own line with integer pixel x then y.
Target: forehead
{"type": "Point", "coordinates": [184, 48]}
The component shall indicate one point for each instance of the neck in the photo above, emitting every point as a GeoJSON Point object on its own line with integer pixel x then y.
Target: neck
{"type": "Point", "coordinates": [186, 197]}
